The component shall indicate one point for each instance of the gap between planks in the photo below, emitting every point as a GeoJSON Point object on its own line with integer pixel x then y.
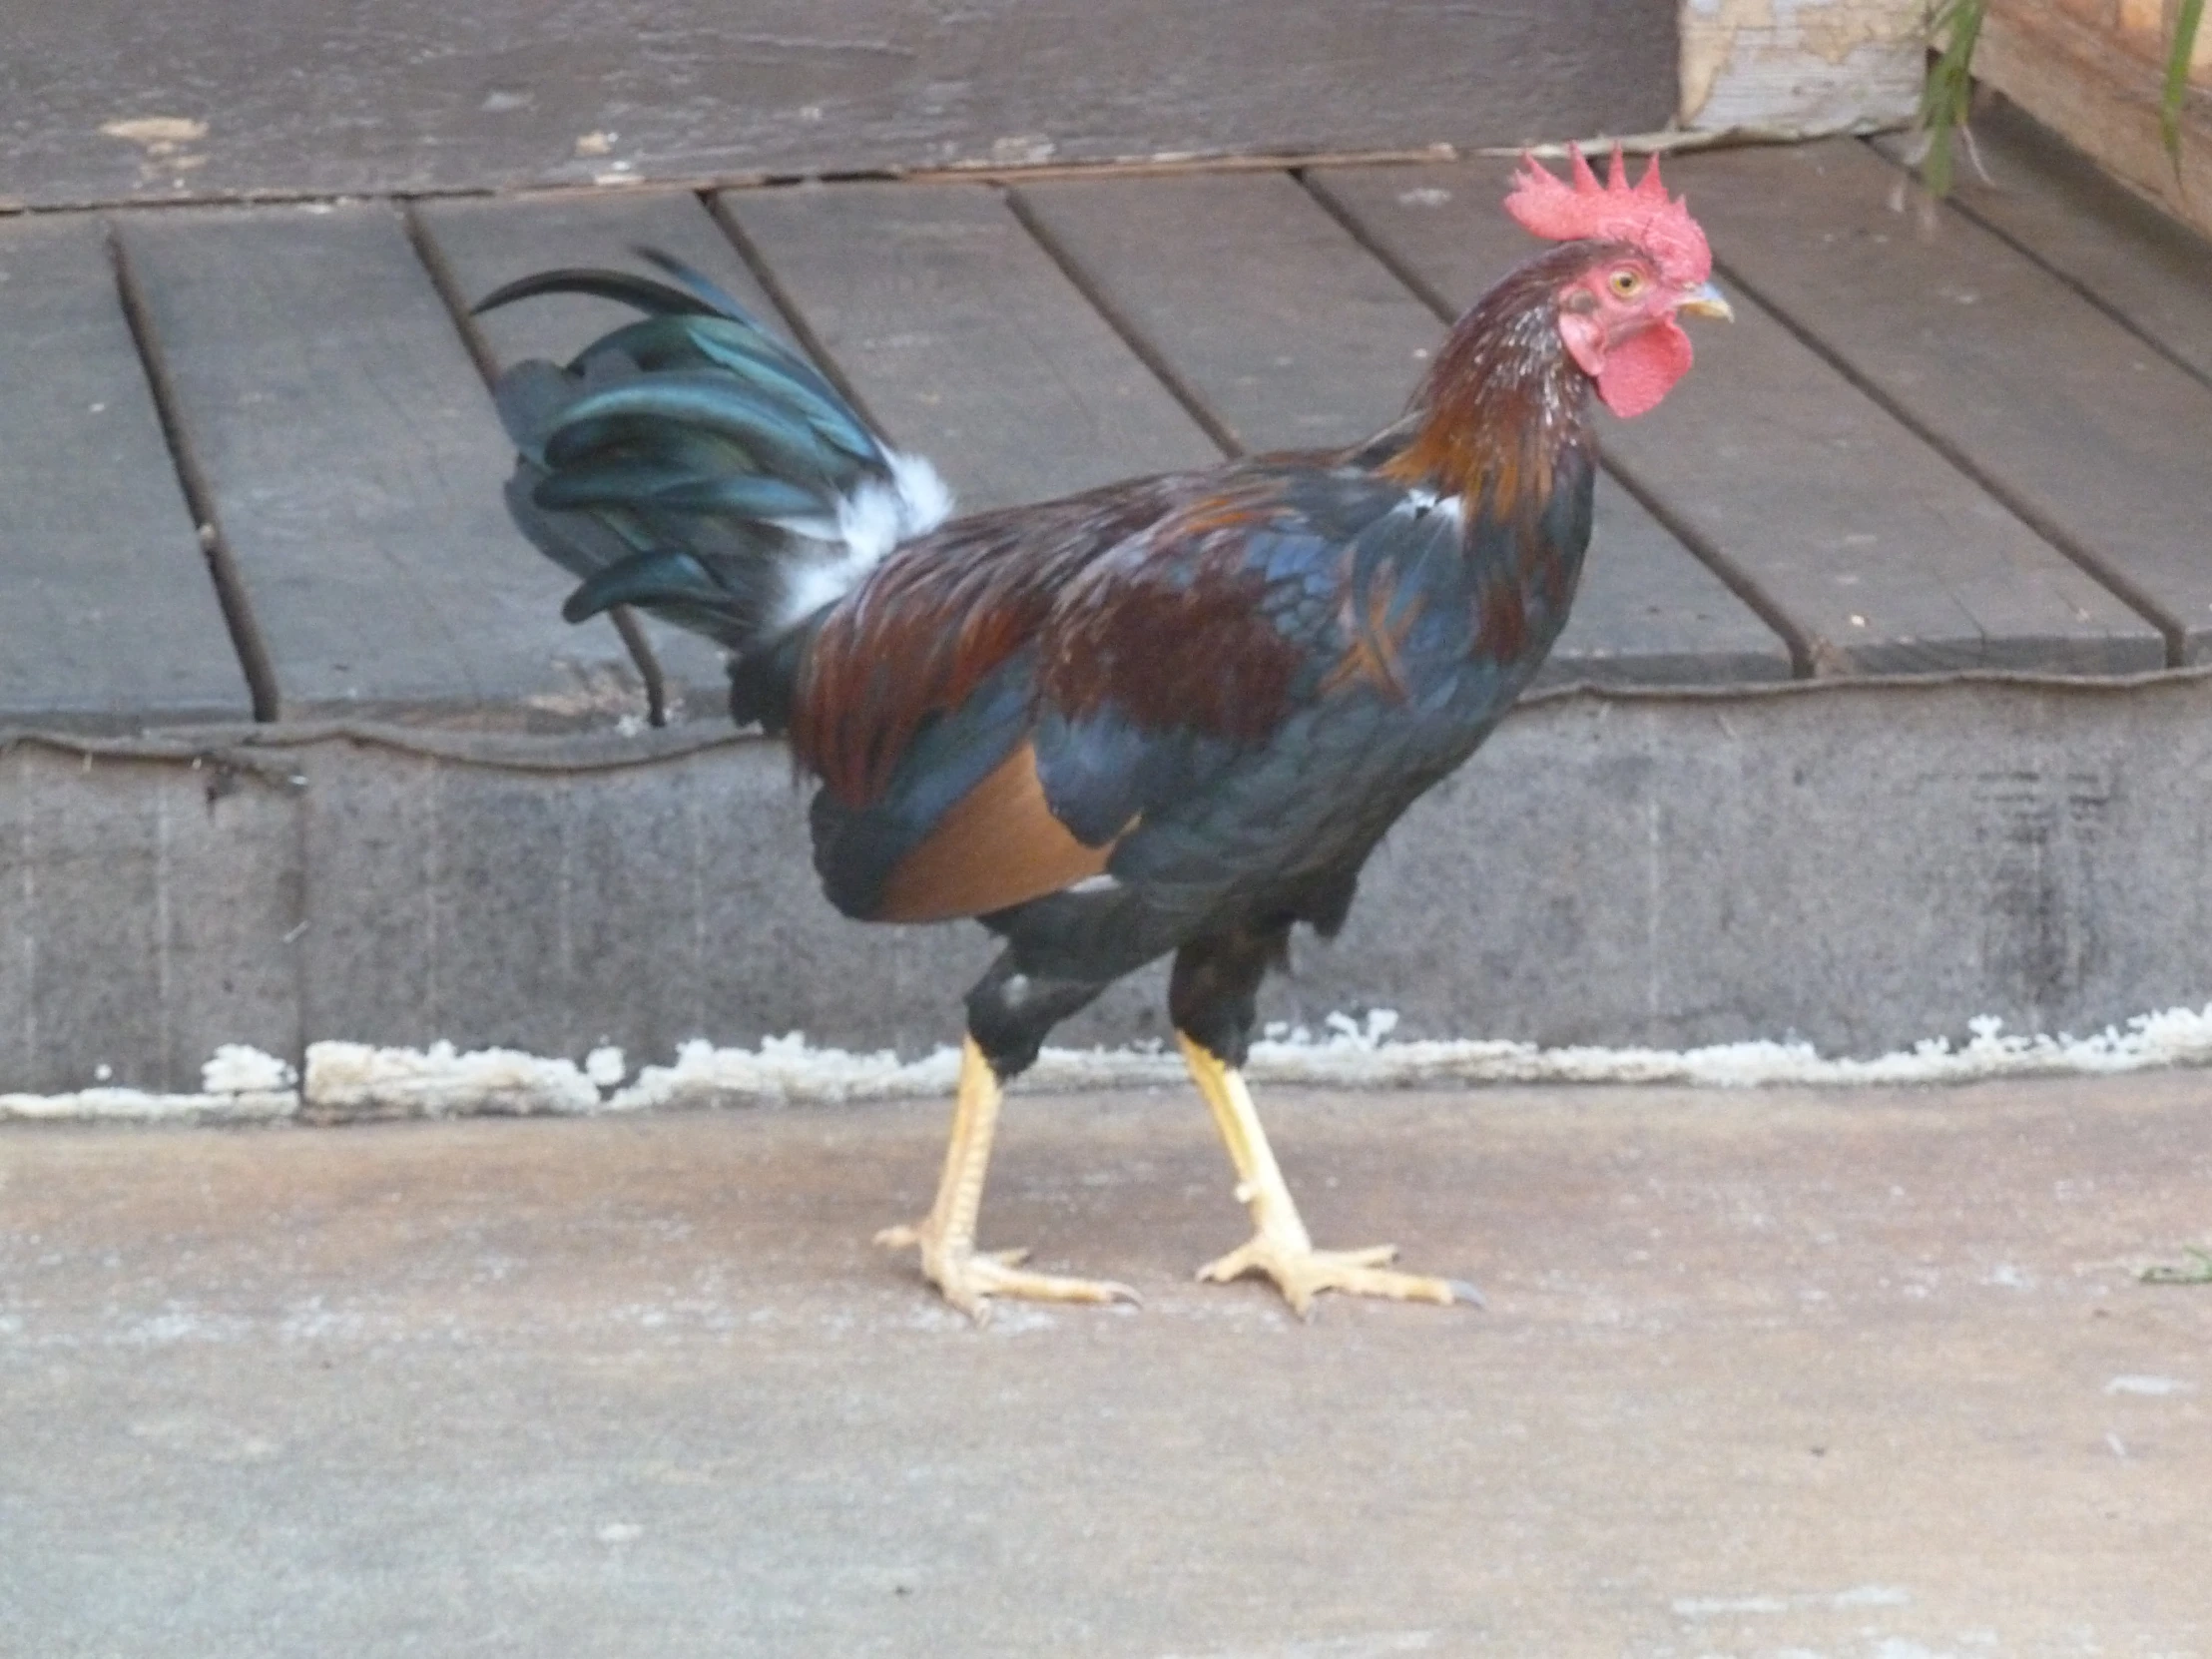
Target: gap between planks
{"type": "Point", "coordinates": [707, 185]}
{"type": "Point", "coordinates": [1140, 345]}
{"type": "Point", "coordinates": [191, 478]}
{"type": "Point", "coordinates": [789, 312]}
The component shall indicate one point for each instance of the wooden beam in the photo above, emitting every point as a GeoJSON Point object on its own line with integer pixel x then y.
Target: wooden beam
{"type": "Point", "coordinates": [113, 102]}
{"type": "Point", "coordinates": [2073, 77]}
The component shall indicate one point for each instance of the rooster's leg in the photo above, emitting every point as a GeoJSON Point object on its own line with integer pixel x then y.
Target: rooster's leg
{"type": "Point", "coordinates": [1280, 1245]}
{"type": "Point", "coordinates": [946, 1236]}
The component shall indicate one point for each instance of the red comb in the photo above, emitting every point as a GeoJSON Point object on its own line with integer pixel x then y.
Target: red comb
{"type": "Point", "coordinates": [1642, 215]}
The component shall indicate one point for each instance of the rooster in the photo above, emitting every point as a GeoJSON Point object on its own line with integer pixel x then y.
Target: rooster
{"type": "Point", "coordinates": [1171, 716]}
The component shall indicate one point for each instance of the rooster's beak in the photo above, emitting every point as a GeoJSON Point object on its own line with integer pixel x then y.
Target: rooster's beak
{"type": "Point", "coordinates": [1707, 300]}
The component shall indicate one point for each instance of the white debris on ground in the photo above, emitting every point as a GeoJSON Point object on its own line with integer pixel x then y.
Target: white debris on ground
{"type": "Point", "coordinates": [354, 1080]}
{"type": "Point", "coordinates": [239, 1071]}
{"type": "Point", "coordinates": [2155, 1387]}
{"type": "Point", "coordinates": [239, 1085]}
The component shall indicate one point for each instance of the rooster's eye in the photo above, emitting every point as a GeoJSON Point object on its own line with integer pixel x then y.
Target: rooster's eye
{"type": "Point", "coordinates": [1626, 285]}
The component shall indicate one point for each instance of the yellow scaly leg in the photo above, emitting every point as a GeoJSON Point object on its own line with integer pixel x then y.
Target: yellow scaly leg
{"type": "Point", "coordinates": [946, 1236]}
{"type": "Point", "coordinates": [1280, 1245]}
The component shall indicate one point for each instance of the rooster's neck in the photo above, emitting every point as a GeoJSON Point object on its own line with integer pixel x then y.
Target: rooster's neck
{"type": "Point", "coordinates": [1503, 402]}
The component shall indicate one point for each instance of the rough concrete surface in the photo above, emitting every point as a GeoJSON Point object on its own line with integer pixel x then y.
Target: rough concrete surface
{"type": "Point", "coordinates": [1847, 1375]}
{"type": "Point", "coordinates": [1859, 866]}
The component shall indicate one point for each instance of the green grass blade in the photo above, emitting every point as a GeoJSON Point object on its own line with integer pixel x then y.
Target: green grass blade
{"type": "Point", "coordinates": [1948, 89]}
{"type": "Point", "coordinates": [2176, 94]}
{"type": "Point", "coordinates": [2196, 1271]}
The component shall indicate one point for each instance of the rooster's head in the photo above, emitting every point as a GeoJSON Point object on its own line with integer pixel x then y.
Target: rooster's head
{"type": "Point", "coordinates": [1648, 262]}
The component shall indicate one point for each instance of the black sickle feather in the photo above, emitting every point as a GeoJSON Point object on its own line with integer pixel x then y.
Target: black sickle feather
{"type": "Point", "coordinates": [704, 286]}
{"type": "Point", "coordinates": [659, 577]}
{"type": "Point", "coordinates": [657, 299]}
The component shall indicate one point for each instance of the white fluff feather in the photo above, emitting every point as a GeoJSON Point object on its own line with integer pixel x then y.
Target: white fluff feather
{"type": "Point", "coordinates": [873, 519]}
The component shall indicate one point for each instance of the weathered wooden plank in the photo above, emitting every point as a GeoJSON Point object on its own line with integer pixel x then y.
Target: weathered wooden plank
{"type": "Point", "coordinates": [2096, 441]}
{"type": "Point", "coordinates": [1295, 336]}
{"type": "Point", "coordinates": [110, 621]}
{"type": "Point", "coordinates": [966, 341]}
{"type": "Point", "coordinates": [1881, 555]}
{"type": "Point", "coordinates": [1649, 614]}
{"type": "Point", "coordinates": [1260, 303]}
{"type": "Point", "coordinates": [2057, 204]}
{"type": "Point", "coordinates": [414, 96]}
{"type": "Point", "coordinates": [341, 428]}
{"type": "Point", "coordinates": [484, 242]}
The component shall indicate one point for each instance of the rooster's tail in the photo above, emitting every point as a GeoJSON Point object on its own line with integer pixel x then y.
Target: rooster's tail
{"type": "Point", "coordinates": [693, 465]}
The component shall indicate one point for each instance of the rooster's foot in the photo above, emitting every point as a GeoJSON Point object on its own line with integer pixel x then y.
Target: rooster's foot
{"type": "Point", "coordinates": [1301, 1273]}
{"type": "Point", "coordinates": [968, 1277]}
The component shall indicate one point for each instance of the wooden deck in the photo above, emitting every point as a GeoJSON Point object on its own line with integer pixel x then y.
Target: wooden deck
{"type": "Point", "coordinates": [385, 795]}
{"type": "Point", "coordinates": [1972, 439]}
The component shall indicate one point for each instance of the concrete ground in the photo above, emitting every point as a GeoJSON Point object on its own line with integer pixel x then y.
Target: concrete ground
{"type": "Point", "coordinates": [1855, 1375]}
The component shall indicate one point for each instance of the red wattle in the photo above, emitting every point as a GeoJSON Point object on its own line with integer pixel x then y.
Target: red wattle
{"type": "Point", "coordinates": [1641, 370]}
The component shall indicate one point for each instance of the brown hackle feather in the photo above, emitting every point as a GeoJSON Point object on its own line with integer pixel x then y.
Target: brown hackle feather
{"type": "Point", "coordinates": [1501, 398]}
